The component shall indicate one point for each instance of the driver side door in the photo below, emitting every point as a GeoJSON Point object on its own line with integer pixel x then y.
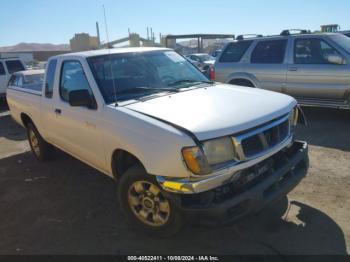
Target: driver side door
{"type": "Point", "coordinates": [77, 129]}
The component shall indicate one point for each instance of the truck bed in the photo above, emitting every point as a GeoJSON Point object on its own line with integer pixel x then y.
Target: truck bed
{"type": "Point", "coordinates": [24, 100]}
{"type": "Point", "coordinates": [34, 89]}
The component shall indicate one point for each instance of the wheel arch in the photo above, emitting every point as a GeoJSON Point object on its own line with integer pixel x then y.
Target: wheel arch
{"type": "Point", "coordinates": [26, 119]}
{"type": "Point", "coordinates": [243, 76]}
{"type": "Point", "coordinates": [121, 161]}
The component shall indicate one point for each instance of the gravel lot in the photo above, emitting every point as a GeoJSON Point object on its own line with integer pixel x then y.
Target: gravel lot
{"type": "Point", "coordinates": [66, 207]}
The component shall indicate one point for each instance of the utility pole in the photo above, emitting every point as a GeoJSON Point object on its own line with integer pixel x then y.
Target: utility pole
{"type": "Point", "coordinates": [98, 35]}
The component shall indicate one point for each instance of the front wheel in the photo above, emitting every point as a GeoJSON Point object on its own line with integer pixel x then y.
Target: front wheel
{"type": "Point", "coordinates": [144, 204]}
{"type": "Point", "coordinates": [40, 148]}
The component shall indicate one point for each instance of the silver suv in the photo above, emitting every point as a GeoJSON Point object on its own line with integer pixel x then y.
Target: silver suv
{"type": "Point", "coordinates": [314, 68]}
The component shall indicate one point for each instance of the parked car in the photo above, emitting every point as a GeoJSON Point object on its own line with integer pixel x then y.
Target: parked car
{"type": "Point", "coordinates": [179, 145]}
{"type": "Point", "coordinates": [8, 66]}
{"type": "Point", "coordinates": [27, 80]}
{"type": "Point", "coordinates": [202, 61]}
{"type": "Point", "coordinates": [313, 68]}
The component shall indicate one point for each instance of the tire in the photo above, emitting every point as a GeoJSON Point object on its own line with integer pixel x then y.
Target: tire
{"type": "Point", "coordinates": [3, 102]}
{"type": "Point", "coordinates": [40, 148]}
{"type": "Point", "coordinates": [140, 212]}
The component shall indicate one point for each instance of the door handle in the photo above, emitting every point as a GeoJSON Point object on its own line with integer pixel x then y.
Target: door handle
{"type": "Point", "coordinates": [58, 111]}
{"type": "Point", "coordinates": [293, 69]}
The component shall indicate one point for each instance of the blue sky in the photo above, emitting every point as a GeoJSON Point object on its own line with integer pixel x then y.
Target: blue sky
{"type": "Point", "coordinates": [56, 21]}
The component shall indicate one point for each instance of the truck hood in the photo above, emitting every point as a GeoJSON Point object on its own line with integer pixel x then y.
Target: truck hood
{"type": "Point", "coordinates": [218, 110]}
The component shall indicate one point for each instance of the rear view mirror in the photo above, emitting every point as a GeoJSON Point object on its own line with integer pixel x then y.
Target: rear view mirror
{"type": "Point", "coordinates": [336, 59]}
{"type": "Point", "coordinates": [80, 98]}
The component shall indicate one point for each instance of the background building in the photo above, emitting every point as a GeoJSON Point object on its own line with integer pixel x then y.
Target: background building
{"type": "Point", "coordinates": [330, 28]}
{"type": "Point", "coordinates": [84, 42]}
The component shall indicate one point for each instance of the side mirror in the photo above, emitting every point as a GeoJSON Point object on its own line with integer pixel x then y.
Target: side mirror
{"type": "Point", "coordinates": [80, 98]}
{"type": "Point", "coordinates": [336, 59]}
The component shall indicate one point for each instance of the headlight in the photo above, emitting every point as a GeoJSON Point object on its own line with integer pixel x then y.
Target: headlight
{"type": "Point", "coordinates": [214, 152]}
{"type": "Point", "coordinates": [219, 150]}
{"type": "Point", "coordinates": [293, 117]}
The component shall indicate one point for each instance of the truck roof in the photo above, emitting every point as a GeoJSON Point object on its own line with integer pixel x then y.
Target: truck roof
{"type": "Point", "coordinates": [113, 51]}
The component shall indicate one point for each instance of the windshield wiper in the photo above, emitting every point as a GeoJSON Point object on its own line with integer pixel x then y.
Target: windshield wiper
{"type": "Point", "coordinates": [195, 82]}
{"type": "Point", "coordinates": [143, 88]}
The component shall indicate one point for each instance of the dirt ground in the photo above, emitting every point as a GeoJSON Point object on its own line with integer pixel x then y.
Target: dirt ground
{"type": "Point", "coordinates": [66, 207]}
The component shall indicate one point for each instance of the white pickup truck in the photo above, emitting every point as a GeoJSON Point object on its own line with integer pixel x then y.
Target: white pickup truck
{"type": "Point", "coordinates": [179, 145]}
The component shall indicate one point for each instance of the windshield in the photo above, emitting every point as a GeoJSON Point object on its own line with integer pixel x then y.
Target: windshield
{"type": "Point", "coordinates": [205, 57]}
{"type": "Point", "coordinates": [342, 40]}
{"type": "Point", "coordinates": [128, 76]}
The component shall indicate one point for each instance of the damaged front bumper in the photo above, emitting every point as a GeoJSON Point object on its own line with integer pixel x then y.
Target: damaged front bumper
{"type": "Point", "coordinates": [247, 191]}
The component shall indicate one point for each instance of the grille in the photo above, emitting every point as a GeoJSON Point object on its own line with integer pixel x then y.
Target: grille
{"type": "Point", "coordinates": [258, 141]}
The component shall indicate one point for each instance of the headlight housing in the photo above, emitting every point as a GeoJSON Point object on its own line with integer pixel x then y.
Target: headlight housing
{"type": "Point", "coordinates": [293, 117]}
{"type": "Point", "coordinates": [219, 150]}
{"type": "Point", "coordinates": [214, 152]}
{"type": "Point", "coordinates": [196, 160]}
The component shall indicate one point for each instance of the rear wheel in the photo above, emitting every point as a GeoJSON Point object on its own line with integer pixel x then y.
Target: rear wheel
{"type": "Point", "coordinates": [40, 148]}
{"type": "Point", "coordinates": [144, 204]}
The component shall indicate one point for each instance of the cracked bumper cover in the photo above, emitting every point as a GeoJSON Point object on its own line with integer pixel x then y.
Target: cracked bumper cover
{"type": "Point", "coordinates": [233, 199]}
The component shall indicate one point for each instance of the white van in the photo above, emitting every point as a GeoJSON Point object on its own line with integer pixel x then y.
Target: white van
{"type": "Point", "coordinates": [8, 66]}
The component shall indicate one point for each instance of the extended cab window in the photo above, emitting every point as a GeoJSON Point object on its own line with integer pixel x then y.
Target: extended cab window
{"type": "Point", "coordinates": [50, 78]}
{"type": "Point", "coordinates": [72, 78]}
{"type": "Point", "coordinates": [312, 51]}
{"type": "Point", "coordinates": [14, 66]}
{"type": "Point", "coordinates": [2, 69]}
{"type": "Point", "coordinates": [235, 51]}
{"type": "Point", "coordinates": [19, 81]}
{"type": "Point", "coordinates": [12, 81]}
{"type": "Point", "coordinates": [269, 52]}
